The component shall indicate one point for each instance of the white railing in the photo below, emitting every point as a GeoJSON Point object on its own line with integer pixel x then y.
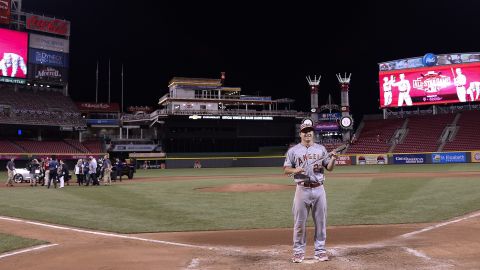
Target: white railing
{"type": "Point", "coordinates": [165, 112]}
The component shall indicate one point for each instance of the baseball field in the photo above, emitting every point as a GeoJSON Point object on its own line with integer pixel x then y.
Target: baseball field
{"type": "Point", "coordinates": [379, 217]}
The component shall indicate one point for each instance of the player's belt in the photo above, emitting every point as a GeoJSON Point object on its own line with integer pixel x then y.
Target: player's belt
{"type": "Point", "coordinates": [310, 184]}
{"type": "Point", "coordinates": [388, 91]}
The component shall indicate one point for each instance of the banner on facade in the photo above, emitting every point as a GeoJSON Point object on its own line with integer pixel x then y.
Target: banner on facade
{"type": "Point", "coordinates": [49, 43]}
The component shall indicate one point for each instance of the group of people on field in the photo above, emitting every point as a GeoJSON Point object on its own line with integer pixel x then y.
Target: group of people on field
{"type": "Point", "coordinates": [51, 171]}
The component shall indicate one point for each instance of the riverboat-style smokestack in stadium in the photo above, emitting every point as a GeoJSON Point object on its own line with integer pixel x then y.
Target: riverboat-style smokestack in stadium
{"type": "Point", "coordinates": [314, 84]}
{"type": "Point", "coordinates": [345, 108]}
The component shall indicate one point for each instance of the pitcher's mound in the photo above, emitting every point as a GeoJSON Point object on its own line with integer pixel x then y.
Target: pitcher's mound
{"type": "Point", "coordinates": [247, 188]}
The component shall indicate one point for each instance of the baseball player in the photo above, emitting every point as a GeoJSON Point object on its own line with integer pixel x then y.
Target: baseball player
{"type": "Point", "coordinates": [460, 81]}
{"type": "Point", "coordinates": [474, 87]}
{"type": "Point", "coordinates": [387, 90]}
{"type": "Point", "coordinates": [12, 60]}
{"type": "Point", "coordinates": [404, 91]}
{"type": "Point", "coordinates": [306, 162]}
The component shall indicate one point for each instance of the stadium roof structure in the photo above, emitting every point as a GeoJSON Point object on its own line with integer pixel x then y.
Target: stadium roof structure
{"type": "Point", "coordinates": [194, 82]}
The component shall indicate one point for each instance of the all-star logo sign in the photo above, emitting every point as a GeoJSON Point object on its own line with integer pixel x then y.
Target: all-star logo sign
{"type": "Point", "coordinates": [432, 82]}
{"type": "Point", "coordinates": [48, 72]}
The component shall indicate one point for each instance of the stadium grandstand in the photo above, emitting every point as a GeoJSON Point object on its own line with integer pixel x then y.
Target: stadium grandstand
{"type": "Point", "coordinates": [38, 118]}
{"type": "Point", "coordinates": [454, 129]}
{"type": "Point", "coordinates": [41, 121]}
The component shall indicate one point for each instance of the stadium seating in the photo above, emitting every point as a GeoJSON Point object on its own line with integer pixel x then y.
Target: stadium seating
{"type": "Point", "coordinates": [375, 136]}
{"type": "Point", "coordinates": [9, 147]}
{"type": "Point", "coordinates": [94, 146]}
{"type": "Point", "coordinates": [46, 147]}
{"type": "Point", "coordinates": [78, 145]}
{"type": "Point", "coordinates": [39, 108]}
{"type": "Point", "coordinates": [424, 133]}
{"type": "Point", "coordinates": [467, 137]}
{"type": "Point", "coordinates": [58, 146]}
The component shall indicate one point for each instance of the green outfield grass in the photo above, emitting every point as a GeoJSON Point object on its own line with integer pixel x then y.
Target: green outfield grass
{"type": "Point", "coordinates": [177, 206]}
{"type": "Point", "coordinates": [10, 242]}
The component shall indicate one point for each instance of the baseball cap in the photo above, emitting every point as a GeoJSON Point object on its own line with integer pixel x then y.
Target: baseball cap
{"type": "Point", "coordinates": [306, 126]}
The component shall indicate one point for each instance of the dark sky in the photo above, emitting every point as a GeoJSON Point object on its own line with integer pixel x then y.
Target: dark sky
{"type": "Point", "coordinates": [265, 48]}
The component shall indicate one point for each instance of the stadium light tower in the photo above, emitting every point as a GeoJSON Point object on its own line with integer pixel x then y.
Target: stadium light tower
{"type": "Point", "coordinates": [346, 122]}
{"type": "Point", "coordinates": [314, 84]}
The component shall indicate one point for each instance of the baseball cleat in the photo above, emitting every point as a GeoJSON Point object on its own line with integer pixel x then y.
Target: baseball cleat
{"type": "Point", "coordinates": [322, 257]}
{"type": "Point", "coordinates": [298, 258]}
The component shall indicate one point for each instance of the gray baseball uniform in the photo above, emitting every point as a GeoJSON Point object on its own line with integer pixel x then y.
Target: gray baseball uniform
{"type": "Point", "coordinates": [313, 159]}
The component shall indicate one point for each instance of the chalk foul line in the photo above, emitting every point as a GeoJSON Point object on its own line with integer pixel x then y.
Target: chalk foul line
{"type": "Point", "coordinates": [8, 254]}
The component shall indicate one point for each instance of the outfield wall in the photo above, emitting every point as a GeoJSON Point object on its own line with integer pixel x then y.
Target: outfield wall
{"type": "Point", "coordinates": [277, 161]}
{"type": "Point", "coordinates": [343, 160]}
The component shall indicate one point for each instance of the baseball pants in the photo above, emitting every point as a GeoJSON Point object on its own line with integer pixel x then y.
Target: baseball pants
{"type": "Point", "coordinates": [404, 96]}
{"type": "Point", "coordinates": [462, 94]}
{"type": "Point", "coordinates": [306, 200]}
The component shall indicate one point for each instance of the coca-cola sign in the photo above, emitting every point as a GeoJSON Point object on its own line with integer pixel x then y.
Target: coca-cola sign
{"type": "Point", "coordinates": [49, 25]}
{"type": "Point", "coordinates": [4, 11]}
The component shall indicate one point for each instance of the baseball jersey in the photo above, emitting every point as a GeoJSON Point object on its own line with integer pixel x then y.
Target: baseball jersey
{"type": "Point", "coordinates": [460, 80]}
{"type": "Point", "coordinates": [403, 85]}
{"type": "Point", "coordinates": [309, 158]}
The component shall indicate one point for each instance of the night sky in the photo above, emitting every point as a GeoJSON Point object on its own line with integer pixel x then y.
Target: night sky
{"type": "Point", "coordinates": [265, 49]}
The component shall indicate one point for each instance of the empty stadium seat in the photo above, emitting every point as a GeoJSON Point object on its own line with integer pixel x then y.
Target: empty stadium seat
{"type": "Point", "coordinates": [424, 133]}
{"type": "Point", "coordinates": [375, 136]}
{"type": "Point", "coordinates": [467, 137]}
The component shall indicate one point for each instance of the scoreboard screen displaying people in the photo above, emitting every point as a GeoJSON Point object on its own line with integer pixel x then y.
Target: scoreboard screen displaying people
{"type": "Point", "coordinates": [430, 85]}
{"type": "Point", "coordinates": [13, 53]}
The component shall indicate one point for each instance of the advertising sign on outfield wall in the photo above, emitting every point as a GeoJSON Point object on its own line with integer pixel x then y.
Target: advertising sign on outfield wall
{"type": "Point", "coordinates": [43, 155]}
{"type": "Point", "coordinates": [476, 156]}
{"type": "Point", "coordinates": [372, 159]}
{"type": "Point", "coordinates": [449, 157]}
{"type": "Point", "coordinates": [343, 160]}
{"type": "Point", "coordinates": [409, 159]}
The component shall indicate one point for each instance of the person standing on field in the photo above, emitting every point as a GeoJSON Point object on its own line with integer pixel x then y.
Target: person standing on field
{"type": "Point", "coordinates": [107, 165]}
{"type": "Point", "coordinates": [306, 162]}
{"type": "Point", "coordinates": [10, 172]}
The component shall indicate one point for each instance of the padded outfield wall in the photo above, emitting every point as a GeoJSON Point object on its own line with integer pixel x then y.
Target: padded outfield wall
{"type": "Point", "coordinates": [343, 160]}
